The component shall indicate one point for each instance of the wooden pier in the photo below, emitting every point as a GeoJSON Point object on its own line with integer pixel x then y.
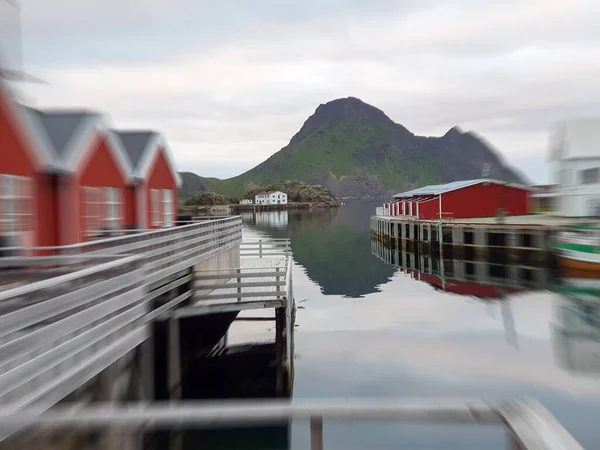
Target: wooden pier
{"type": "Point", "coordinates": [263, 280]}
{"type": "Point", "coordinates": [521, 241]}
{"type": "Point", "coordinates": [483, 273]}
{"type": "Point", "coordinates": [81, 324]}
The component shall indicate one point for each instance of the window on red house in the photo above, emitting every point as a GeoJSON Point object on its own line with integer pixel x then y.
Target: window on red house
{"type": "Point", "coordinates": [167, 207]}
{"type": "Point", "coordinates": [16, 204]}
{"type": "Point", "coordinates": [93, 205]}
{"type": "Point", "coordinates": [103, 209]}
{"type": "Point", "coordinates": [114, 212]}
{"type": "Point", "coordinates": [155, 207]}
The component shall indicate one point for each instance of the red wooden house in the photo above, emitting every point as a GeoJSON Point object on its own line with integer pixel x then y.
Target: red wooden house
{"type": "Point", "coordinates": [91, 175]}
{"type": "Point", "coordinates": [24, 203]}
{"type": "Point", "coordinates": [154, 178]}
{"type": "Point", "coordinates": [66, 178]}
{"type": "Point", "coordinates": [462, 199]}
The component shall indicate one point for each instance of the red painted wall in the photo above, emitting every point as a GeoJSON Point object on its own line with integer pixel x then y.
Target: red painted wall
{"type": "Point", "coordinates": [99, 169]}
{"type": "Point", "coordinates": [18, 158]}
{"type": "Point", "coordinates": [483, 200]}
{"type": "Point", "coordinates": [160, 177]}
{"type": "Point", "coordinates": [429, 209]}
{"type": "Point", "coordinates": [47, 210]}
{"type": "Point", "coordinates": [131, 207]}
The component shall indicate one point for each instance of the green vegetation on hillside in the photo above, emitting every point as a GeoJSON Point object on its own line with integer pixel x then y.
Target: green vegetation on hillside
{"type": "Point", "coordinates": [355, 150]}
{"type": "Point", "coordinates": [345, 149]}
{"type": "Point", "coordinates": [297, 191]}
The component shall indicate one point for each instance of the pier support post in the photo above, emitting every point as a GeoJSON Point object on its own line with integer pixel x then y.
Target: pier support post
{"type": "Point", "coordinates": [316, 433]}
{"type": "Point", "coordinates": [141, 389]}
{"type": "Point", "coordinates": [174, 358]}
{"type": "Point", "coordinates": [280, 336]}
{"type": "Point", "coordinates": [104, 390]}
{"type": "Point", "coordinates": [146, 368]}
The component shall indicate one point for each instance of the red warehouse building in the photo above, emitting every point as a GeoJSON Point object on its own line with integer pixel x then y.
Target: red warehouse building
{"type": "Point", "coordinates": [154, 178]}
{"type": "Point", "coordinates": [462, 200]}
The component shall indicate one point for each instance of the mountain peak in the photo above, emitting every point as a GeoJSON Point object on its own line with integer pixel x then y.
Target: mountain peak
{"type": "Point", "coordinates": [349, 107]}
{"type": "Point", "coordinates": [455, 131]}
{"type": "Point", "coordinates": [355, 150]}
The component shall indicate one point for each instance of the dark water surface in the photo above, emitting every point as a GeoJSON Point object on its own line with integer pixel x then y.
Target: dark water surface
{"type": "Point", "coordinates": [367, 329]}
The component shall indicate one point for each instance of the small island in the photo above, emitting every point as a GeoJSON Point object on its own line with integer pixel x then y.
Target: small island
{"type": "Point", "coordinates": [272, 197]}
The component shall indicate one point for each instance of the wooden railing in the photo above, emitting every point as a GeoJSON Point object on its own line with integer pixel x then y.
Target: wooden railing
{"type": "Point", "coordinates": [57, 333]}
{"type": "Point", "coordinates": [232, 289]}
{"type": "Point", "coordinates": [529, 425]}
{"type": "Point", "coordinates": [261, 248]}
{"type": "Point", "coordinates": [165, 251]}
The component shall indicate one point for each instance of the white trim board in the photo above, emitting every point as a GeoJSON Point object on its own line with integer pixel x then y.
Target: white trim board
{"type": "Point", "coordinates": [82, 142]}
{"type": "Point", "coordinates": [149, 154]}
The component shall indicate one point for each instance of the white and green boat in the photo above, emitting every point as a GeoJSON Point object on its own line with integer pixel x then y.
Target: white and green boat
{"type": "Point", "coordinates": [584, 289]}
{"type": "Point", "coordinates": [578, 248]}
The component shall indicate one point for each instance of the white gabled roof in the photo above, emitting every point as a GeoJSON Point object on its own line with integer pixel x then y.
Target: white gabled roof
{"type": "Point", "coordinates": [68, 134]}
{"type": "Point", "coordinates": [141, 148]}
{"type": "Point", "coordinates": [574, 138]}
{"type": "Point", "coordinates": [437, 189]}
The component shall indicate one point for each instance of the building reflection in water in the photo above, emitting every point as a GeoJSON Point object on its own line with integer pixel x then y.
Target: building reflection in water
{"type": "Point", "coordinates": [272, 219]}
{"type": "Point", "coordinates": [480, 279]}
{"type": "Point", "coordinates": [575, 327]}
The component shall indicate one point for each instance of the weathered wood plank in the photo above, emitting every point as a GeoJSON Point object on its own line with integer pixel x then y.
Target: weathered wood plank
{"type": "Point", "coordinates": [220, 306]}
{"type": "Point", "coordinates": [233, 284]}
{"type": "Point", "coordinates": [257, 293]}
{"type": "Point", "coordinates": [264, 262]}
{"type": "Point", "coordinates": [227, 276]}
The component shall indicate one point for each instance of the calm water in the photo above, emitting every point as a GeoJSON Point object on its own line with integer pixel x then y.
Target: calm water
{"type": "Point", "coordinates": [367, 329]}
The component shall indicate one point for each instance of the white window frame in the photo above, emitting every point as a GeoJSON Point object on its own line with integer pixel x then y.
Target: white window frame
{"type": "Point", "coordinates": [16, 204]}
{"type": "Point", "coordinates": [155, 207]}
{"type": "Point", "coordinates": [167, 200]}
{"type": "Point", "coordinates": [114, 208]}
{"type": "Point", "coordinates": [93, 204]}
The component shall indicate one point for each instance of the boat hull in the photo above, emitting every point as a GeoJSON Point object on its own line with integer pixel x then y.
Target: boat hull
{"type": "Point", "coordinates": [583, 264]}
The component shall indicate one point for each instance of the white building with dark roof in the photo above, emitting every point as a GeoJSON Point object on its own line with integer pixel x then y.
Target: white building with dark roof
{"type": "Point", "coordinates": [271, 198]}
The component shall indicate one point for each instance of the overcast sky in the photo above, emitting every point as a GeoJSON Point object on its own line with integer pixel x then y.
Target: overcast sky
{"type": "Point", "coordinates": [230, 82]}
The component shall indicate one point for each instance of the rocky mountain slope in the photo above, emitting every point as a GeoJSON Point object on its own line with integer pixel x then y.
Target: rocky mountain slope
{"type": "Point", "coordinates": [355, 150]}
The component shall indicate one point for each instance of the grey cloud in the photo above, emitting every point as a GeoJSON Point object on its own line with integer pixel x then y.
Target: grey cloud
{"type": "Point", "coordinates": [259, 69]}
{"type": "Point", "coordinates": [121, 30]}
